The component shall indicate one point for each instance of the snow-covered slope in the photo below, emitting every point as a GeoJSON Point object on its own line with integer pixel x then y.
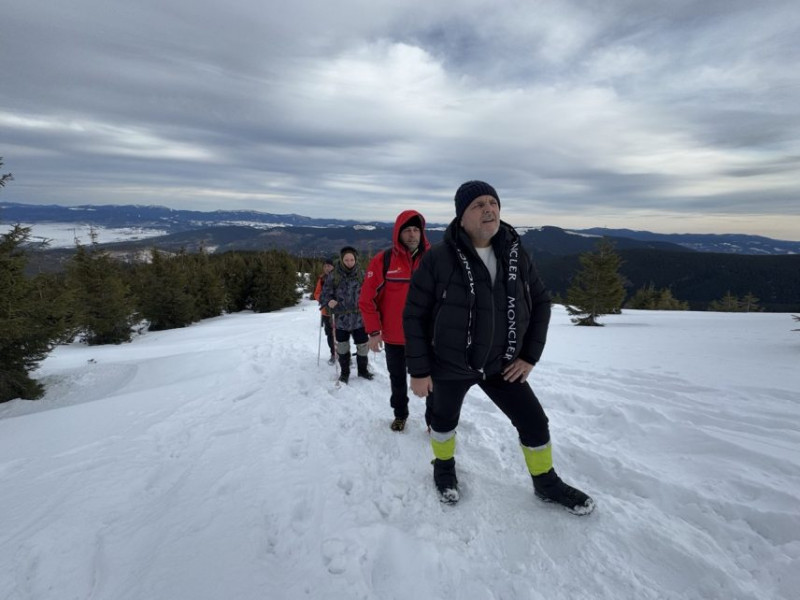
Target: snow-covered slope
{"type": "Point", "coordinates": [220, 462]}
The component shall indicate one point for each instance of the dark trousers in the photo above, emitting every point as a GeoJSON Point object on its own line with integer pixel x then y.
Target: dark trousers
{"type": "Point", "coordinates": [359, 335]}
{"type": "Point", "coordinates": [516, 400]}
{"type": "Point", "coordinates": [326, 323]}
{"type": "Point", "coordinates": [396, 364]}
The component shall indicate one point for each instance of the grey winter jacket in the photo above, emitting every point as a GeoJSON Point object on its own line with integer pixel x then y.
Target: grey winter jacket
{"type": "Point", "coordinates": [344, 286]}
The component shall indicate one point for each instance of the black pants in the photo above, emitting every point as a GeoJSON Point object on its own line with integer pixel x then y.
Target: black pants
{"type": "Point", "coordinates": [326, 323]}
{"type": "Point", "coordinates": [516, 400]}
{"type": "Point", "coordinates": [359, 335]}
{"type": "Point", "coordinates": [396, 364]}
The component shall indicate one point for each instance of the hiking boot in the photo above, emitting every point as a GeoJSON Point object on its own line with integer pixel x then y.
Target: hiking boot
{"type": "Point", "coordinates": [548, 487]}
{"type": "Point", "coordinates": [363, 371]}
{"type": "Point", "coordinates": [399, 424]}
{"type": "Point", "coordinates": [444, 476]}
{"type": "Point", "coordinates": [344, 364]}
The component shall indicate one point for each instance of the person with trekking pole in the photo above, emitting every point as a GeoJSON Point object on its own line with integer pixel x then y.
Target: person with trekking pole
{"type": "Point", "coordinates": [340, 294]}
{"type": "Point", "coordinates": [325, 317]}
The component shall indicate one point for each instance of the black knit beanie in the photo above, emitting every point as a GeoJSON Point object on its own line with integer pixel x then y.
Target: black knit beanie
{"type": "Point", "coordinates": [414, 221]}
{"type": "Point", "coordinates": [348, 250]}
{"type": "Point", "coordinates": [471, 190]}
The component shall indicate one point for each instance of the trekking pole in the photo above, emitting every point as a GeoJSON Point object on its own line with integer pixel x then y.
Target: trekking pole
{"type": "Point", "coordinates": [335, 345]}
{"type": "Point", "coordinates": [319, 340]}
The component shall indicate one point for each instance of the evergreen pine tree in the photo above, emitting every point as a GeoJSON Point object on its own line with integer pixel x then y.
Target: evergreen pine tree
{"type": "Point", "coordinates": [597, 288]}
{"type": "Point", "coordinates": [5, 177]}
{"type": "Point", "coordinates": [237, 280]}
{"type": "Point", "coordinates": [205, 284]}
{"type": "Point", "coordinates": [103, 304]}
{"type": "Point", "coordinates": [728, 303]}
{"type": "Point", "coordinates": [643, 299]}
{"type": "Point", "coordinates": [649, 298]}
{"type": "Point", "coordinates": [162, 289]}
{"type": "Point", "coordinates": [749, 303]}
{"type": "Point", "coordinates": [29, 327]}
{"type": "Point", "coordinates": [274, 282]}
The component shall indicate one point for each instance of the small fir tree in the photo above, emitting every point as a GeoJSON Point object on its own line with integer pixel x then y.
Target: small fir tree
{"type": "Point", "coordinates": [597, 289]}
{"type": "Point", "coordinates": [749, 303]}
{"type": "Point", "coordinates": [650, 298]}
{"type": "Point", "coordinates": [162, 290]}
{"type": "Point", "coordinates": [237, 280]}
{"type": "Point", "coordinates": [274, 282]}
{"type": "Point", "coordinates": [205, 284]}
{"type": "Point", "coordinates": [728, 303]}
{"type": "Point", "coordinates": [103, 304]}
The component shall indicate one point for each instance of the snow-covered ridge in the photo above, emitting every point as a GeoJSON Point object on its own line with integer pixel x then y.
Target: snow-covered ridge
{"type": "Point", "coordinates": [525, 229]}
{"type": "Point", "coordinates": [581, 234]}
{"type": "Point", "coordinates": [253, 224]}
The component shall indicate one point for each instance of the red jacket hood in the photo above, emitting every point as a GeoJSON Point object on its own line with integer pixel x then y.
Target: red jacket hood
{"type": "Point", "coordinates": [403, 218]}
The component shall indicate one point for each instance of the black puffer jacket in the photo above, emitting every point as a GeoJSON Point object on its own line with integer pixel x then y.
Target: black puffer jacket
{"type": "Point", "coordinates": [344, 286]}
{"type": "Point", "coordinates": [455, 330]}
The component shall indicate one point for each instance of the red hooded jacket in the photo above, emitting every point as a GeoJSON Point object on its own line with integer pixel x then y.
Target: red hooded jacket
{"type": "Point", "coordinates": [382, 300]}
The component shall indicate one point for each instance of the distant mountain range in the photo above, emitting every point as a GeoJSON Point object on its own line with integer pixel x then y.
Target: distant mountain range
{"type": "Point", "coordinates": [728, 243]}
{"type": "Point", "coordinates": [697, 268]}
{"type": "Point", "coordinates": [243, 230]}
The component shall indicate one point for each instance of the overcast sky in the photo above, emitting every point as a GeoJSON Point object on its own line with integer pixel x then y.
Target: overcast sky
{"type": "Point", "coordinates": [672, 116]}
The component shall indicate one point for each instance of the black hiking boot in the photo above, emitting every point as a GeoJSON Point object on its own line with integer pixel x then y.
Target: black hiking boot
{"type": "Point", "coordinates": [444, 476]}
{"type": "Point", "coordinates": [399, 424]}
{"type": "Point", "coordinates": [548, 487]}
{"type": "Point", "coordinates": [363, 371]}
{"type": "Point", "coordinates": [344, 365]}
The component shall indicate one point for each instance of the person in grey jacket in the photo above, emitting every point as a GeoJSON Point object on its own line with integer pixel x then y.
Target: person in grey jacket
{"type": "Point", "coordinates": [340, 294]}
{"type": "Point", "coordinates": [477, 313]}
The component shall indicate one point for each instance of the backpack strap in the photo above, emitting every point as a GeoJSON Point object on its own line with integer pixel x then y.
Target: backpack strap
{"type": "Point", "coordinates": [387, 258]}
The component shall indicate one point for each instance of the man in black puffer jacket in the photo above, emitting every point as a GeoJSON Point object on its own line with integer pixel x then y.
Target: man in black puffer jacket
{"type": "Point", "coordinates": [477, 313]}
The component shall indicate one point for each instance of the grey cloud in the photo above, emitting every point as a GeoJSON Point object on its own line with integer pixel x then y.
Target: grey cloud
{"type": "Point", "coordinates": [353, 106]}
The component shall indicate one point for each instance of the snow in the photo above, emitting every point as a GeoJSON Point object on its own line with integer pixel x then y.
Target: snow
{"type": "Point", "coordinates": [581, 234]}
{"type": "Point", "coordinates": [63, 235]}
{"type": "Point", "coordinates": [525, 229]}
{"type": "Point", "coordinates": [219, 461]}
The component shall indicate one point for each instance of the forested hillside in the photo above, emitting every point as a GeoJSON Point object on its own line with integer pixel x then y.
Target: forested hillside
{"type": "Point", "coordinates": [696, 277]}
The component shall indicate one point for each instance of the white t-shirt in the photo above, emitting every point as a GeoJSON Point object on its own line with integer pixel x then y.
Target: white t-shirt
{"type": "Point", "coordinates": [489, 259]}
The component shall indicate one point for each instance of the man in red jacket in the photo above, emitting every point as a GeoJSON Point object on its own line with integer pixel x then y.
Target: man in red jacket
{"type": "Point", "coordinates": [383, 296]}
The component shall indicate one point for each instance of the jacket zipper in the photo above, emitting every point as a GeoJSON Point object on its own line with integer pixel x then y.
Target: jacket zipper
{"type": "Point", "coordinates": [491, 335]}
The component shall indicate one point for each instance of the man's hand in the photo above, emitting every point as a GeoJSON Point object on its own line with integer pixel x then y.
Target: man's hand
{"type": "Point", "coordinates": [421, 386]}
{"type": "Point", "coordinates": [517, 371]}
{"type": "Point", "coordinates": [332, 303]}
{"type": "Point", "coordinates": [375, 342]}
